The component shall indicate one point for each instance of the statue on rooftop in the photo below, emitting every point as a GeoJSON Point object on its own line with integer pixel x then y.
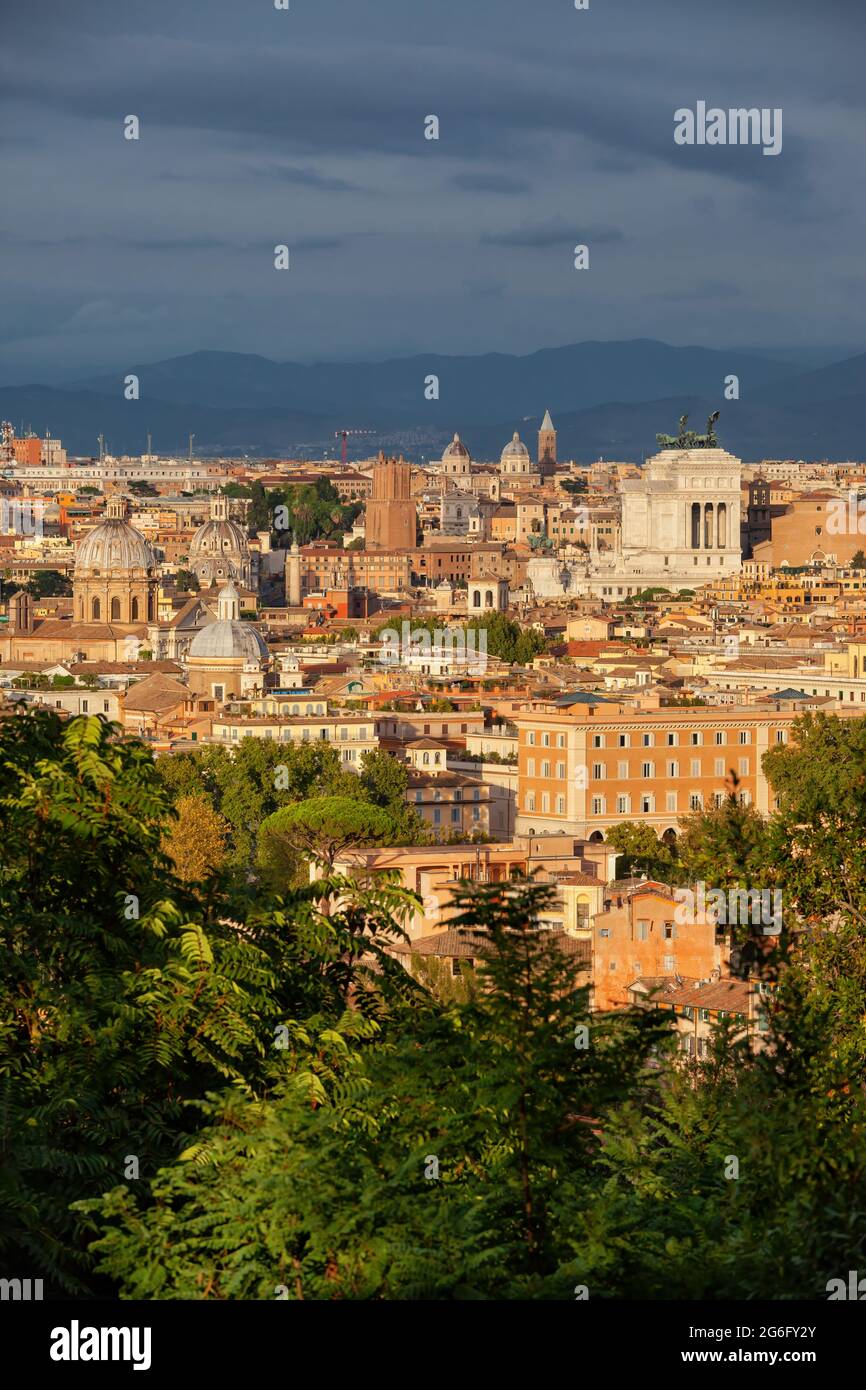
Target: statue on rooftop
{"type": "Point", "coordinates": [690, 439]}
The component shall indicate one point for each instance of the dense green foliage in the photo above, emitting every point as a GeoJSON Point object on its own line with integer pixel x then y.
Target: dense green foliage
{"type": "Point", "coordinates": [505, 639]}
{"type": "Point", "coordinates": [309, 511]}
{"type": "Point", "coordinates": [310, 1122]}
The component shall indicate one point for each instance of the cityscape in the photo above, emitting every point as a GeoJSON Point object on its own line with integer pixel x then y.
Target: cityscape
{"type": "Point", "coordinates": [433, 778]}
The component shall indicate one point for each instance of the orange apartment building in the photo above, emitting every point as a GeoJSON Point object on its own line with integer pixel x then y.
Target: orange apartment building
{"type": "Point", "coordinates": [585, 764]}
{"type": "Point", "coordinates": [638, 937]}
{"type": "Point", "coordinates": [326, 567]}
{"type": "Point", "coordinates": [434, 871]}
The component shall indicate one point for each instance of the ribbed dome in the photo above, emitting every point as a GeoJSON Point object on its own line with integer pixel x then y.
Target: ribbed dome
{"type": "Point", "coordinates": [229, 638]}
{"type": "Point", "coordinates": [456, 449]}
{"type": "Point", "coordinates": [114, 545]}
{"type": "Point", "coordinates": [217, 538]}
{"type": "Point", "coordinates": [515, 449]}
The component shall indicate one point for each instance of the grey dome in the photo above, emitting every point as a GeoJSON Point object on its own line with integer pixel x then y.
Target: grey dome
{"type": "Point", "coordinates": [515, 448]}
{"type": "Point", "coordinates": [218, 537]}
{"type": "Point", "coordinates": [114, 545]}
{"type": "Point", "coordinates": [229, 638]}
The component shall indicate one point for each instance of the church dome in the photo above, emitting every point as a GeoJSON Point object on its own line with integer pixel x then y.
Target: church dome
{"type": "Point", "coordinates": [114, 545]}
{"type": "Point", "coordinates": [515, 449]}
{"type": "Point", "coordinates": [456, 450]}
{"type": "Point", "coordinates": [228, 638]}
{"type": "Point", "coordinates": [218, 538]}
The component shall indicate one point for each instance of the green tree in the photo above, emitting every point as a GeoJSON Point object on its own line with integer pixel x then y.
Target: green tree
{"type": "Point", "coordinates": [642, 851]}
{"type": "Point", "coordinates": [48, 584]}
{"type": "Point", "coordinates": [441, 1153]}
{"type": "Point", "coordinates": [327, 827]}
{"type": "Point", "coordinates": [724, 846]}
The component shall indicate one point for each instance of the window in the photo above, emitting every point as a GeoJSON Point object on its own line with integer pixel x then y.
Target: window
{"type": "Point", "coordinates": [597, 806]}
{"type": "Point", "coordinates": [560, 740]}
{"type": "Point", "coordinates": [696, 740]}
{"type": "Point", "coordinates": [782, 734]}
{"type": "Point", "coordinates": [530, 767]}
{"type": "Point", "coordinates": [84, 706]}
{"type": "Point", "coordinates": [560, 772]}
{"type": "Point", "coordinates": [673, 769]}
{"type": "Point", "coordinates": [598, 740]}
{"type": "Point", "coordinates": [623, 740]}
{"type": "Point", "coordinates": [719, 767]}
{"type": "Point", "coordinates": [720, 738]}
{"type": "Point", "coordinates": [219, 692]}
{"type": "Point", "coordinates": [455, 815]}
{"type": "Point", "coordinates": [560, 805]}
{"type": "Point", "coordinates": [695, 767]}
{"type": "Point", "coordinates": [105, 706]}
{"type": "Point", "coordinates": [604, 931]}
{"type": "Point", "coordinates": [672, 740]}
{"type": "Point", "coordinates": [545, 803]}
{"type": "Point", "coordinates": [647, 805]}
{"type": "Point", "coordinates": [545, 740]}
{"type": "Point", "coordinates": [437, 816]}
{"type": "Point", "coordinates": [647, 740]}
{"type": "Point", "coordinates": [744, 765]}
{"type": "Point", "coordinates": [642, 931]}
{"type": "Point", "coordinates": [670, 801]}
{"type": "Point", "coordinates": [670, 931]}
{"type": "Point", "coordinates": [623, 805]}
{"type": "Point", "coordinates": [597, 771]}
{"type": "Point", "coordinates": [704, 1015]}
{"type": "Point", "coordinates": [647, 770]}
{"type": "Point", "coordinates": [696, 801]}
{"type": "Point", "coordinates": [668, 965]}
{"type": "Point", "coordinates": [545, 770]}
{"type": "Point", "coordinates": [530, 801]}
{"type": "Point", "coordinates": [530, 738]}
{"type": "Point", "coordinates": [622, 770]}
{"type": "Point", "coordinates": [745, 736]}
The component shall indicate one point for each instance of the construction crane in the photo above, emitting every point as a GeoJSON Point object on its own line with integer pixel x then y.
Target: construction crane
{"type": "Point", "coordinates": [343, 436]}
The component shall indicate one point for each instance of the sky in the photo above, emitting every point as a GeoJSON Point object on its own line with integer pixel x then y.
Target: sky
{"type": "Point", "coordinates": [305, 127]}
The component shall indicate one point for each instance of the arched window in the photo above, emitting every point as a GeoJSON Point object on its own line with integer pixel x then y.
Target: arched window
{"type": "Point", "coordinates": [488, 599]}
{"type": "Point", "coordinates": [133, 612]}
{"type": "Point", "coordinates": [476, 599]}
{"type": "Point", "coordinates": [115, 610]}
{"type": "Point", "coordinates": [94, 610]}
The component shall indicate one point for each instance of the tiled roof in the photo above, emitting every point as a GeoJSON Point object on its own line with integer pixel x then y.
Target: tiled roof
{"type": "Point", "coordinates": [730, 995]}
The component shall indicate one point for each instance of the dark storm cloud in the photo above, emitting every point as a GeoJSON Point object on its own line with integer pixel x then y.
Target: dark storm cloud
{"type": "Point", "coordinates": [553, 234]}
{"type": "Point", "coordinates": [475, 181]}
{"type": "Point", "coordinates": [306, 127]}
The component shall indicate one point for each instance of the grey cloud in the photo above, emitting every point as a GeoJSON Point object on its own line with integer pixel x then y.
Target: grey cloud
{"type": "Point", "coordinates": [554, 233]}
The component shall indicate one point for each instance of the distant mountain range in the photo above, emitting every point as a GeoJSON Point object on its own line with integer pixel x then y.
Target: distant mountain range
{"type": "Point", "coordinates": [607, 399]}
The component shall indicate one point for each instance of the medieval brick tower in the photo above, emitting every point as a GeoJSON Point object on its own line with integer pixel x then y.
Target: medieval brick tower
{"type": "Point", "coordinates": [547, 445]}
{"type": "Point", "coordinates": [391, 516]}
